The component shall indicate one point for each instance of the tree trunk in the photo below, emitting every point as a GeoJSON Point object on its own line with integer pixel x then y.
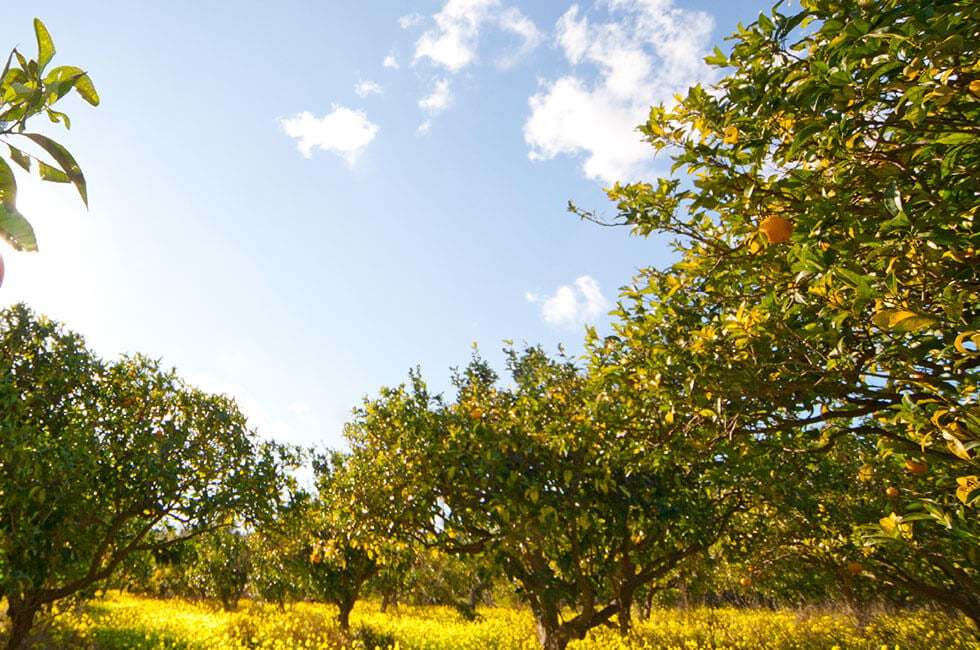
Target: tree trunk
{"type": "Point", "coordinates": [387, 598]}
{"type": "Point", "coordinates": [625, 614]}
{"type": "Point", "coordinates": [344, 616]}
{"type": "Point", "coordinates": [20, 612]}
{"type": "Point", "coordinates": [552, 637]}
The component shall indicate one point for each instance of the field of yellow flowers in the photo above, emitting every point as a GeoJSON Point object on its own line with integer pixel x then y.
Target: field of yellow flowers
{"type": "Point", "coordinates": [120, 620]}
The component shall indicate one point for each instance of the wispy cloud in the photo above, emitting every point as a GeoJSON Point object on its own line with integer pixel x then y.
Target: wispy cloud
{"type": "Point", "coordinates": [365, 88]}
{"type": "Point", "coordinates": [343, 131]}
{"type": "Point", "coordinates": [646, 52]}
{"type": "Point", "coordinates": [391, 62]}
{"type": "Point", "coordinates": [411, 20]}
{"type": "Point", "coordinates": [438, 100]}
{"type": "Point", "coordinates": [571, 305]}
{"type": "Point", "coordinates": [453, 42]}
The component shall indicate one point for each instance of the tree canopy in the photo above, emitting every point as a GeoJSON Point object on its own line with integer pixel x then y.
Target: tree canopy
{"type": "Point", "coordinates": [828, 286]}
{"type": "Point", "coordinates": [96, 457]}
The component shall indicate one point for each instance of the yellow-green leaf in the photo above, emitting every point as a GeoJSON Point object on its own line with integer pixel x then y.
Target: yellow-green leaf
{"type": "Point", "coordinates": [45, 46]}
{"type": "Point", "coordinates": [966, 485]}
{"type": "Point", "coordinates": [901, 320]}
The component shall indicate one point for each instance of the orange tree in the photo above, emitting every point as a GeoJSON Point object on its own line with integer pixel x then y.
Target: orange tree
{"type": "Point", "coordinates": [344, 548]}
{"type": "Point", "coordinates": [555, 479]}
{"type": "Point", "coordinates": [97, 457]}
{"type": "Point", "coordinates": [28, 89]}
{"type": "Point", "coordinates": [828, 282]}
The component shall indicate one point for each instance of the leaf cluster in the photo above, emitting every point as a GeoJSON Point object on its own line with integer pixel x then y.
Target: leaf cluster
{"type": "Point", "coordinates": [29, 88]}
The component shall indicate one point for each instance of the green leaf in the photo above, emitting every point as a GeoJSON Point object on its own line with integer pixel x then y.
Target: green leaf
{"type": "Point", "coordinates": [53, 174]}
{"type": "Point", "coordinates": [45, 46]}
{"type": "Point", "coordinates": [8, 184]}
{"type": "Point", "coordinates": [901, 320]}
{"type": "Point", "coordinates": [6, 68]}
{"type": "Point", "coordinates": [957, 138]}
{"type": "Point", "coordinates": [65, 160]}
{"type": "Point", "coordinates": [60, 81]}
{"type": "Point", "coordinates": [718, 58]}
{"type": "Point", "coordinates": [15, 229]}
{"type": "Point", "coordinates": [85, 88]}
{"type": "Point", "coordinates": [20, 158]}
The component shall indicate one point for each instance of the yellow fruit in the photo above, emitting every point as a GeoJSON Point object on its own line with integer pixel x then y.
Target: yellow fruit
{"type": "Point", "coordinates": [745, 582]}
{"type": "Point", "coordinates": [916, 467]}
{"type": "Point", "coordinates": [855, 568]}
{"type": "Point", "coordinates": [892, 492]}
{"type": "Point", "coordinates": [776, 229]}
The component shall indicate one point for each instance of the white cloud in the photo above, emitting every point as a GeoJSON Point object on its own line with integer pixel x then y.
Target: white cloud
{"type": "Point", "coordinates": [424, 127]}
{"type": "Point", "coordinates": [365, 88]}
{"type": "Point", "coordinates": [453, 42]}
{"type": "Point", "coordinates": [513, 21]}
{"type": "Point", "coordinates": [438, 100]}
{"type": "Point", "coordinates": [410, 20]}
{"type": "Point", "coordinates": [391, 62]}
{"type": "Point", "coordinates": [571, 306]}
{"type": "Point", "coordinates": [648, 51]}
{"type": "Point", "coordinates": [343, 131]}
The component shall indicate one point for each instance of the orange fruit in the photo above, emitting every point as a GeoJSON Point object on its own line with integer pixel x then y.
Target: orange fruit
{"type": "Point", "coordinates": [855, 568]}
{"type": "Point", "coordinates": [745, 582]}
{"type": "Point", "coordinates": [476, 414]}
{"type": "Point", "coordinates": [916, 467]}
{"type": "Point", "coordinates": [892, 491]}
{"type": "Point", "coordinates": [776, 229]}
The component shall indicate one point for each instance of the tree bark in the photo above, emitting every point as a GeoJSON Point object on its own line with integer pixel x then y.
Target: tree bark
{"type": "Point", "coordinates": [20, 612]}
{"type": "Point", "coordinates": [625, 601]}
{"type": "Point", "coordinates": [552, 636]}
{"type": "Point", "coordinates": [345, 607]}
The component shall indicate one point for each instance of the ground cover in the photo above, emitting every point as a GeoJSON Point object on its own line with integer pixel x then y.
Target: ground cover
{"type": "Point", "coordinates": [120, 620]}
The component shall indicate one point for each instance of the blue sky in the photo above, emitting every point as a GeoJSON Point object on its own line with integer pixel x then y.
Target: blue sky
{"type": "Point", "coordinates": [296, 204]}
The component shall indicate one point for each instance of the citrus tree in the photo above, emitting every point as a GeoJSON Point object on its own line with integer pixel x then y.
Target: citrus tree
{"type": "Point", "coordinates": [344, 549]}
{"type": "Point", "coordinates": [29, 88]}
{"type": "Point", "coordinates": [828, 283]}
{"type": "Point", "coordinates": [555, 480]}
{"type": "Point", "coordinates": [97, 457]}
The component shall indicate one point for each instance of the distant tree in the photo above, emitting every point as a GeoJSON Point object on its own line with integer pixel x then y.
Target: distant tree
{"type": "Point", "coordinates": [222, 566]}
{"type": "Point", "coordinates": [829, 280]}
{"type": "Point", "coordinates": [96, 456]}
{"type": "Point", "coordinates": [29, 89]}
{"type": "Point", "coordinates": [280, 555]}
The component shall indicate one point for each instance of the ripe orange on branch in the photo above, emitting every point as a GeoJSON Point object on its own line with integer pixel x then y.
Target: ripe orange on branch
{"type": "Point", "coordinates": [776, 229]}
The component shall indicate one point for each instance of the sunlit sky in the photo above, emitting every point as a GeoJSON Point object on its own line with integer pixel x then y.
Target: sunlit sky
{"type": "Point", "coordinates": [297, 203]}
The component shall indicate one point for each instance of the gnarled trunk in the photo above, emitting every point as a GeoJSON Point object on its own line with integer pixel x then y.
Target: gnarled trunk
{"type": "Point", "coordinates": [551, 634]}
